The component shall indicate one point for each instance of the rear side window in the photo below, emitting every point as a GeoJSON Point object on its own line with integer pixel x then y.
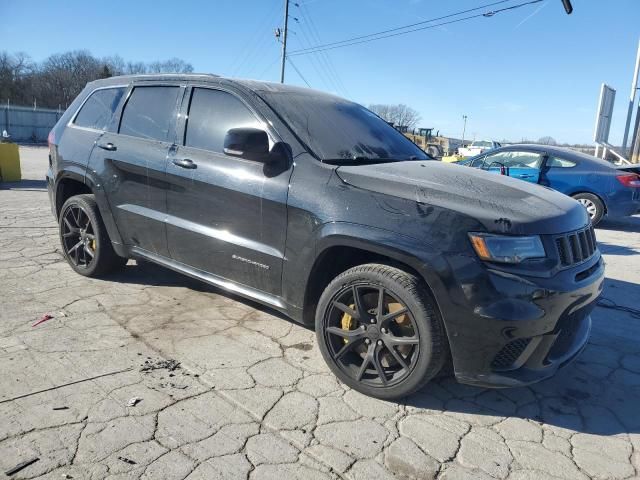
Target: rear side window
{"type": "Point", "coordinates": [99, 107]}
{"type": "Point", "coordinates": [149, 112]}
{"type": "Point", "coordinates": [560, 162]}
{"type": "Point", "coordinates": [211, 114]}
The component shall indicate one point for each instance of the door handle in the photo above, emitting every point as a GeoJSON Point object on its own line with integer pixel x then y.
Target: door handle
{"type": "Point", "coordinates": [524, 175]}
{"type": "Point", "coordinates": [184, 163]}
{"type": "Point", "coordinates": [108, 146]}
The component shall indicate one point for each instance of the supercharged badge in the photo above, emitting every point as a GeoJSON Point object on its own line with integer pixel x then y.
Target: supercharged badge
{"type": "Point", "coordinates": [250, 262]}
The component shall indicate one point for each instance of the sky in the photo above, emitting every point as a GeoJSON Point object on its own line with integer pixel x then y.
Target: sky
{"type": "Point", "coordinates": [526, 73]}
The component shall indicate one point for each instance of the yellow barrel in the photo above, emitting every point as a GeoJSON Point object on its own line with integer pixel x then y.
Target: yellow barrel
{"type": "Point", "coordinates": [9, 162]}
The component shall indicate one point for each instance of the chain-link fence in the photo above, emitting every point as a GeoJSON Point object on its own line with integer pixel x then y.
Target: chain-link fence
{"type": "Point", "coordinates": [28, 124]}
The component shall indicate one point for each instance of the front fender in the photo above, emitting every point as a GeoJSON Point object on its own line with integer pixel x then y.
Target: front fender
{"type": "Point", "coordinates": [420, 256]}
{"type": "Point", "coordinates": [403, 249]}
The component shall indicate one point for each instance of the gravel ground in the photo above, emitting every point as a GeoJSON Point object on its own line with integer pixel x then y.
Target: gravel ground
{"type": "Point", "coordinates": [246, 393]}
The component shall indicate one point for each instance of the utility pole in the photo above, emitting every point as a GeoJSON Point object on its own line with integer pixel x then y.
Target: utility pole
{"type": "Point", "coordinates": [632, 99]}
{"type": "Point", "coordinates": [464, 117]}
{"type": "Point", "coordinates": [284, 40]}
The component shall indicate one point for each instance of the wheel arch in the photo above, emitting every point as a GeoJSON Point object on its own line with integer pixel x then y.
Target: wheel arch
{"type": "Point", "coordinates": [590, 192]}
{"type": "Point", "coordinates": [70, 183]}
{"type": "Point", "coordinates": [344, 246]}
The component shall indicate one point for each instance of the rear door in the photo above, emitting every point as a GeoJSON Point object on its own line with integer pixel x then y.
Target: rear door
{"type": "Point", "coordinates": [132, 160]}
{"type": "Point", "coordinates": [563, 175]}
{"type": "Point", "coordinates": [86, 126]}
{"type": "Point", "coordinates": [225, 215]}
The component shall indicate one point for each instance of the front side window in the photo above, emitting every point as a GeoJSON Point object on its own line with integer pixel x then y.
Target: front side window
{"type": "Point", "coordinates": [514, 160]}
{"type": "Point", "coordinates": [211, 114]}
{"type": "Point", "coordinates": [560, 162]}
{"type": "Point", "coordinates": [339, 131]}
{"type": "Point", "coordinates": [97, 111]}
{"type": "Point", "coordinates": [149, 112]}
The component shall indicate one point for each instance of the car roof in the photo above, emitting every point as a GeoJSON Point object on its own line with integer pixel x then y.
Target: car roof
{"type": "Point", "coordinates": [253, 85]}
{"type": "Point", "coordinates": [562, 152]}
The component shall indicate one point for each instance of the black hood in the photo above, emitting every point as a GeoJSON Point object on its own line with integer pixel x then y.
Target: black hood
{"type": "Point", "coordinates": [502, 204]}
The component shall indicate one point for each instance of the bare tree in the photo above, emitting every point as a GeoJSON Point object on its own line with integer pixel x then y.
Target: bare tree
{"type": "Point", "coordinates": [173, 65]}
{"type": "Point", "coordinates": [15, 77]}
{"type": "Point", "coordinates": [547, 141]}
{"type": "Point", "coordinates": [61, 77]}
{"type": "Point", "coordinates": [398, 115]}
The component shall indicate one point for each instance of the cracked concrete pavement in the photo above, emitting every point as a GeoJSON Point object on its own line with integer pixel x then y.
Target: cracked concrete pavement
{"type": "Point", "coordinates": [252, 397]}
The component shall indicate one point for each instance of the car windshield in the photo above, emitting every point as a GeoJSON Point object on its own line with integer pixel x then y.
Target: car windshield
{"type": "Point", "coordinates": [339, 131]}
{"type": "Point", "coordinates": [481, 144]}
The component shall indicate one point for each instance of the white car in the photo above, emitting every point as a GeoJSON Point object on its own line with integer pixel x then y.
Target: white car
{"type": "Point", "coordinates": [478, 147]}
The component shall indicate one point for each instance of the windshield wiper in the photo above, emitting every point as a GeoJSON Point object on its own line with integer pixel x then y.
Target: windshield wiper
{"type": "Point", "coordinates": [362, 160]}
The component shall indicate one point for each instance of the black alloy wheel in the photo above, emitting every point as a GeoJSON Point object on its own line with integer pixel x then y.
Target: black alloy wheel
{"type": "Point", "coordinates": [371, 335]}
{"type": "Point", "coordinates": [78, 236]}
{"type": "Point", "coordinates": [85, 242]}
{"type": "Point", "coordinates": [380, 332]}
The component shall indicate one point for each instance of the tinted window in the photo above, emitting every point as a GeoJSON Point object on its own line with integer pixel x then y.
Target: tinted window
{"type": "Point", "coordinates": [99, 107]}
{"type": "Point", "coordinates": [149, 112]}
{"type": "Point", "coordinates": [560, 162]}
{"type": "Point", "coordinates": [211, 114]}
{"type": "Point", "coordinates": [341, 131]}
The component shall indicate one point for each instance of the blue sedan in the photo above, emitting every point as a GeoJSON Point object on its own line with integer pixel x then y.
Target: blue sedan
{"type": "Point", "coordinates": [603, 188]}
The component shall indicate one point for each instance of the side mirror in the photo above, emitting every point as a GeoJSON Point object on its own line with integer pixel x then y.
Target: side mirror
{"type": "Point", "coordinates": [249, 143]}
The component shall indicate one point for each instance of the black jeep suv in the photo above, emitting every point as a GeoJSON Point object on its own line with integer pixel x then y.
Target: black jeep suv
{"type": "Point", "coordinates": [315, 206]}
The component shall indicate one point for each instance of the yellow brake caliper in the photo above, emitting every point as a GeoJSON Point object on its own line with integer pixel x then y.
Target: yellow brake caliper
{"type": "Point", "coordinates": [394, 307]}
{"type": "Point", "coordinates": [347, 322]}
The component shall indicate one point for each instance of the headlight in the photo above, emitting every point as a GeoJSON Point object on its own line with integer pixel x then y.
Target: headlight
{"type": "Point", "coordinates": [506, 249]}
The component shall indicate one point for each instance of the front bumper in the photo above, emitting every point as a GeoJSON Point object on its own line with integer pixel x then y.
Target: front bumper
{"type": "Point", "coordinates": [509, 330]}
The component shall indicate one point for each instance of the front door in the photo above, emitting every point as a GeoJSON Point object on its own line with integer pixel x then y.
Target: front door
{"type": "Point", "coordinates": [225, 215]}
{"type": "Point", "coordinates": [132, 163]}
{"type": "Point", "coordinates": [523, 165]}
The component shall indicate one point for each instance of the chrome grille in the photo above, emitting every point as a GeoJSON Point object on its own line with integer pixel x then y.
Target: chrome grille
{"type": "Point", "coordinates": [576, 247]}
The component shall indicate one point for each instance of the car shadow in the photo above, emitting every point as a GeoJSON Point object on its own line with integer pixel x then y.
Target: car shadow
{"type": "Point", "coordinates": [624, 224]}
{"type": "Point", "coordinates": [141, 272]}
{"type": "Point", "coordinates": [597, 394]}
{"type": "Point", "coordinates": [613, 249]}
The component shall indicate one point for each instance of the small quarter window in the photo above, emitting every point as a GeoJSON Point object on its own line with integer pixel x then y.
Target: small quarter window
{"type": "Point", "coordinates": [560, 162]}
{"type": "Point", "coordinates": [149, 112]}
{"type": "Point", "coordinates": [99, 108]}
{"type": "Point", "coordinates": [211, 114]}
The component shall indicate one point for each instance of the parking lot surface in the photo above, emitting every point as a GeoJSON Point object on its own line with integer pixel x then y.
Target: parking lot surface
{"type": "Point", "coordinates": [149, 374]}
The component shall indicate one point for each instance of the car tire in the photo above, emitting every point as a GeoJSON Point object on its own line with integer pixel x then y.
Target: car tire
{"type": "Point", "coordinates": [85, 242]}
{"type": "Point", "coordinates": [404, 347]}
{"type": "Point", "coordinates": [594, 206]}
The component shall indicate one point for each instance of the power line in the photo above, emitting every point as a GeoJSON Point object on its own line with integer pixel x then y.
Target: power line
{"type": "Point", "coordinates": [252, 48]}
{"type": "Point", "coordinates": [323, 56]}
{"type": "Point", "coordinates": [408, 26]}
{"type": "Point", "coordinates": [380, 36]}
{"type": "Point", "coordinates": [298, 72]}
{"type": "Point", "coordinates": [316, 63]}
